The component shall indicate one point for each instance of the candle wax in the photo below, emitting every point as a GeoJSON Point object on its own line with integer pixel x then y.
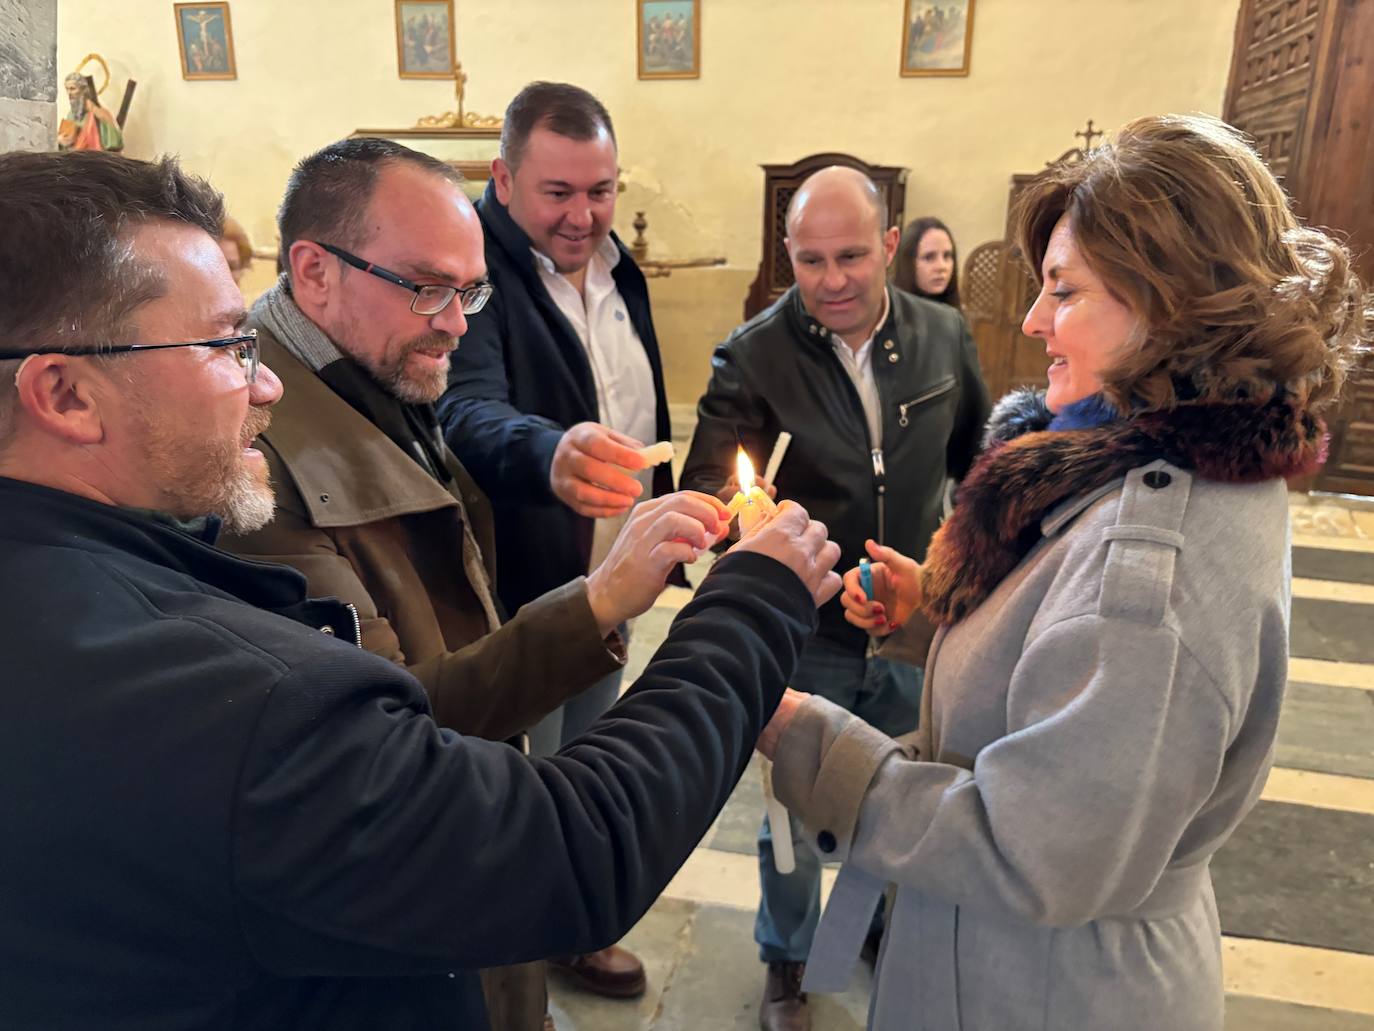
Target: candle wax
{"type": "Point", "coordinates": [758, 508]}
{"type": "Point", "coordinates": [656, 454]}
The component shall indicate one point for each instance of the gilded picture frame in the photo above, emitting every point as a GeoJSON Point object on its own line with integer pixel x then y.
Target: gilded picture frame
{"type": "Point", "coordinates": [937, 38]}
{"type": "Point", "coordinates": [425, 47]}
{"type": "Point", "coordinates": [668, 39]}
{"type": "Point", "coordinates": [205, 41]}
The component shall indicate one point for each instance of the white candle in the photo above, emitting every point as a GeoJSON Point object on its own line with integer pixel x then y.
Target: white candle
{"type": "Point", "coordinates": [751, 503]}
{"type": "Point", "coordinates": [779, 823]}
{"type": "Point", "coordinates": [757, 509]}
{"type": "Point", "coordinates": [770, 473]}
{"type": "Point", "coordinates": [657, 454]}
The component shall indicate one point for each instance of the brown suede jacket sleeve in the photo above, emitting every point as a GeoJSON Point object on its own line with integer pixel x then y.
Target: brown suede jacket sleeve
{"type": "Point", "coordinates": [495, 687]}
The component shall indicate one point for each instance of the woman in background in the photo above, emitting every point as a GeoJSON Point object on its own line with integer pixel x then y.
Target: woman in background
{"type": "Point", "coordinates": [927, 263]}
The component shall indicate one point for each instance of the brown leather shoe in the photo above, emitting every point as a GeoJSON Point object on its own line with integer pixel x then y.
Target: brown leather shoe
{"type": "Point", "coordinates": [613, 972]}
{"type": "Point", "coordinates": [784, 1003]}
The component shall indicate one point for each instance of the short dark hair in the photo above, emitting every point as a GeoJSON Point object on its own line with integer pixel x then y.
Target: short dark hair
{"type": "Point", "coordinates": [329, 191]}
{"type": "Point", "coordinates": [560, 107]}
{"type": "Point", "coordinates": [66, 272]}
{"type": "Point", "coordinates": [904, 265]}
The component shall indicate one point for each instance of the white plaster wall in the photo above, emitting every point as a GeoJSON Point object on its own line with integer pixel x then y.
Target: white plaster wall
{"type": "Point", "coordinates": [28, 74]}
{"type": "Point", "coordinates": [780, 79]}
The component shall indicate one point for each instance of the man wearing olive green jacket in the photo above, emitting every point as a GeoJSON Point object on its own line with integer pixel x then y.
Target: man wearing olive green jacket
{"type": "Point", "coordinates": [374, 509]}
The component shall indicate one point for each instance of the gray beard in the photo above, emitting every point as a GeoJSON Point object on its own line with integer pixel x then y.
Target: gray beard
{"type": "Point", "coordinates": [249, 505]}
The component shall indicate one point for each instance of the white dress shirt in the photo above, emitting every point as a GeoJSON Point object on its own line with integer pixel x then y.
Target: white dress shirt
{"type": "Point", "coordinates": [620, 366]}
{"type": "Point", "coordinates": [860, 369]}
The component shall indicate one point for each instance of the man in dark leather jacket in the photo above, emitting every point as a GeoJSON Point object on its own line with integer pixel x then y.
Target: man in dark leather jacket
{"type": "Point", "coordinates": [882, 395]}
{"type": "Point", "coordinates": [220, 811]}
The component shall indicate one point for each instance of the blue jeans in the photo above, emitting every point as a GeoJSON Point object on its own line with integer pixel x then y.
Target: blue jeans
{"type": "Point", "coordinates": [884, 694]}
{"type": "Point", "coordinates": [573, 718]}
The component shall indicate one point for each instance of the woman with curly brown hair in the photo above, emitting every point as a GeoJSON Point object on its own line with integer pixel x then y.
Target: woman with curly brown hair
{"type": "Point", "coordinates": [1112, 592]}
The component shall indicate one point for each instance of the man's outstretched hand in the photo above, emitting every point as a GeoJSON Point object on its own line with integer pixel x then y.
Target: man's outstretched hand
{"type": "Point", "coordinates": [802, 545]}
{"type": "Point", "coordinates": [588, 473]}
{"type": "Point", "coordinates": [658, 535]}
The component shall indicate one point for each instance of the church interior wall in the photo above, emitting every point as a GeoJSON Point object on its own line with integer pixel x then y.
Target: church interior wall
{"type": "Point", "coordinates": [780, 79]}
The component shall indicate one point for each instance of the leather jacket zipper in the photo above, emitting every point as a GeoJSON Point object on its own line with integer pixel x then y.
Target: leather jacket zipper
{"type": "Point", "coordinates": [875, 453]}
{"type": "Point", "coordinates": [930, 395]}
{"type": "Point", "coordinates": [357, 623]}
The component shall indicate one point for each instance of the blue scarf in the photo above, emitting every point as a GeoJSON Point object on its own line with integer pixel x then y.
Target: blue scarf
{"type": "Point", "coordinates": [1085, 414]}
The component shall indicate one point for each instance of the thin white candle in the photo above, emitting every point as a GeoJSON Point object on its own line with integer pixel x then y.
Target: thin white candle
{"type": "Point", "coordinates": [779, 823]}
{"type": "Point", "coordinates": [770, 472]}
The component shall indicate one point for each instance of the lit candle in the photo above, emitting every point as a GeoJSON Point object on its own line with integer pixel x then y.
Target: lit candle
{"type": "Point", "coordinates": [751, 503]}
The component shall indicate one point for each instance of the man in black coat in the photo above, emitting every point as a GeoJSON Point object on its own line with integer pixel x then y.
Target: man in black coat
{"type": "Point", "coordinates": [557, 382]}
{"type": "Point", "coordinates": [221, 812]}
{"type": "Point", "coordinates": [882, 395]}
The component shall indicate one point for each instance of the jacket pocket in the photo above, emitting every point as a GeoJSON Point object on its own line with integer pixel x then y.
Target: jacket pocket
{"type": "Point", "coordinates": [939, 390]}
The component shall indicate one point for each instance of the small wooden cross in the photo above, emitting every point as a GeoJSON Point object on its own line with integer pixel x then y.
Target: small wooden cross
{"type": "Point", "coordinates": [1088, 135]}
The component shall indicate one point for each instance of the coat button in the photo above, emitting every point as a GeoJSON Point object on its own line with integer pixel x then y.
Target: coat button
{"type": "Point", "coordinates": [825, 841]}
{"type": "Point", "coordinates": [888, 345]}
{"type": "Point", "coordinates": [1157, 479]}
{"type": "Point", "coordinates": [327, 629]}
{"type": "Point", "coordinates": [894, 357]}
{"type": "Point", "coordinates": [324, 499]}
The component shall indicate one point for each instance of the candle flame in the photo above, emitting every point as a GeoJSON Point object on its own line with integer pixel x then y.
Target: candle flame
{"type": "Point", "coordinates": [744, 471]}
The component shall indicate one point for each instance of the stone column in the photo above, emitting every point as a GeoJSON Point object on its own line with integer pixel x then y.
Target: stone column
{"type": "Point", "coordinates": [28, 74]}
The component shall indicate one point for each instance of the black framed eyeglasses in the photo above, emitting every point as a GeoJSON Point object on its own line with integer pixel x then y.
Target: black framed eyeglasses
{"type": "Point", "coordinates": [245, 350]}
{"type": "Point", "coordinates": [430, 298]}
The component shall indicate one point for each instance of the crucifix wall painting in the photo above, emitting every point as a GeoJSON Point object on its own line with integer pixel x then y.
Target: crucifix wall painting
{"type": "Point", "coordinates": [424, 39]}
{"type": "Point", "coordinates": [937, 37]}
{"type": "Point", "coordinates": [206, 41]}
{"type": "Point", "coordinates": [669, 34]}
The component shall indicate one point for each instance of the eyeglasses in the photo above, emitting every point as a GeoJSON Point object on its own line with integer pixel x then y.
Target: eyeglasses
{"type": "Point", "coordinates": [430, 298]}
{"type": "Point", "coordinates": [245, 350]}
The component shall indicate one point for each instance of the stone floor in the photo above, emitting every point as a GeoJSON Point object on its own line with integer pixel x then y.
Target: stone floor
{"type": "Point", "coordinates": [1295, 884]}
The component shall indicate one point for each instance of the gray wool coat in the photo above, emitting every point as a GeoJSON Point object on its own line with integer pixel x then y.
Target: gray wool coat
{"type": "Point", "coordinates": [1090, 736]}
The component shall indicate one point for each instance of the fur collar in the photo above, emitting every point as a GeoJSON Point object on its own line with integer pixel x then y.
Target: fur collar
{"type": "Point", "coordinates": [1025, 471]}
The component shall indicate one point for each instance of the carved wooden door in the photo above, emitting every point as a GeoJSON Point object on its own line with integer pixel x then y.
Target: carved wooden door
{"type": "Point", "coordinates": [1008, 358]}
{"type": "Point", "coordinates": [1301, 82]}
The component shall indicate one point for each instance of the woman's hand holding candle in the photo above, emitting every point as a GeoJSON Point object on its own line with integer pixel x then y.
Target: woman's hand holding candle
{"type": "Point", "coordinates": [781, 719]}
{"type": "Point", "coordinates": [896, 594]}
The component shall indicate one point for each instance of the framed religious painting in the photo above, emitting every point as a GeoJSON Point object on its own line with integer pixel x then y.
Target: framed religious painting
{"type": "Point", "coordinates": [206, 41]}
{"type": "Point", "coordinates": [669, 37]}
{"type": "Point", "coordinates": [424, 39]}
{"type": "Point", "coordinates": [937, 38]}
